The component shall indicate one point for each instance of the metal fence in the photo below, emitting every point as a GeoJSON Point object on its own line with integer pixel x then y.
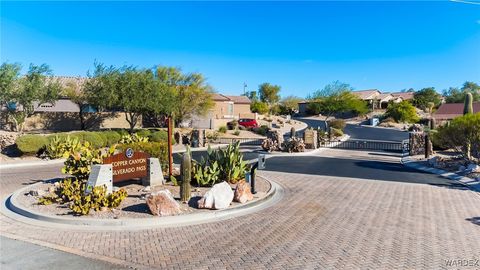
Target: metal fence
{"type": "Point", "coordinates": [243, 141]}
{"type": "Point", "coordinates": [368, 145]}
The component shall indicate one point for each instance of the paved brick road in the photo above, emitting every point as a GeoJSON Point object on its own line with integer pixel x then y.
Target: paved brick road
{"type": "Point", "coordinates": [323, 222]}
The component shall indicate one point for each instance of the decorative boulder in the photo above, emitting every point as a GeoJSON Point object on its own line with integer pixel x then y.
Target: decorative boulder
{"type": "Point", "coordinates": [162, 203]}
{"type": "Point", "coordinates": [218, 197]}
{"type": "Point", "coordinates": [242, 193]}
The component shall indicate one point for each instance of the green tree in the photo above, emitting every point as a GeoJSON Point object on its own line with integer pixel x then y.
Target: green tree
{"type": "Point", "coordinates": [336, 98]}
{"type": "Point", "coordinates": [28, 92]}
{"type": "Point", "coordinates": [126, 88]}
{"type": "Point", "coordinates": [252, 95]}
{"type": "Point", "coordinates": [184, 95]}
{"type": "Point", "coordinates": [9, 79]}
{"type": "Point", "coordinates": [456, 95]}
{"type": "Point", "coordinates": [259, 107]}
{"type": "Point", "coordinates": [289, 104]}
{"type": "Point", "coordinates": [422, 97]}
{"type": "Point", "coordinates": [269, 93]}
{"type": "Point", "coordinates": [403, 112]}
{"type": "Point", "coordinates": [77, 95]}
{"type": "Point", "coordinates": [462, 134]}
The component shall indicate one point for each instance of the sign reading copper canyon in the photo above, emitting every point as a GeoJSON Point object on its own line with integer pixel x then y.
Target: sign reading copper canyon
{"type": "Point", "coordinates": [127, 165]}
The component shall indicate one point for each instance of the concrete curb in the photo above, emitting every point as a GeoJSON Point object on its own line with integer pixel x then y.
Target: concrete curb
{"type": "Point", "coordinates": [390, 128]}
{"type": "Point", "coordinates": [31, 163]}
{"type": "Point", "coordinates": [466, 181]}
{"type": "Point", "coordinates": [12, 209]}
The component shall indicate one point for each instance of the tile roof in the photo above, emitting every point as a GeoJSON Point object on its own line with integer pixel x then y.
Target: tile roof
{"type": "Point", "coordinates": [240, 99]}
{"type": "Point", "coordinates": [234, 99]}
{"type": "Point", "coordinates": [367, 94]}
{"type": "Point", "coordinates": [403, 95]}
{"type": "Point", "coordinates": [449, 111]}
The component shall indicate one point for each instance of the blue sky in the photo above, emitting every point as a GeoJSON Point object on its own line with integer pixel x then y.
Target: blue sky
{"type": "Point", "coordinates": [299, 46]}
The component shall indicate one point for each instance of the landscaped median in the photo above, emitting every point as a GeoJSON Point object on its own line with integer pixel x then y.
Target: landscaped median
{"type": "Point", "coordinates": [127, 188]}
{"type": "Point", "coordinates": [133, 212]}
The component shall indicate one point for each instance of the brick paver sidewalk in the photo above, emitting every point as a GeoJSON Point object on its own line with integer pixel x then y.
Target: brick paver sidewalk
{"type": "Point", "coordinates": [322, 222]}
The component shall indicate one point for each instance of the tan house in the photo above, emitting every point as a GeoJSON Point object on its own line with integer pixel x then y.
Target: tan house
{"type": "Point", "coordinates": [64, 114]}
{"type": "Point", "coordinates": [226, 109]}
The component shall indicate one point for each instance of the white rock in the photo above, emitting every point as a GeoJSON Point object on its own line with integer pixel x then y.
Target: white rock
{"type": "Point", "coordinates": [162, 203]}
{"type": "Point", "coordinates": [473, 167]}
{"type": "Point", "coordinates": [218, 197]}
{"type": "Point", "coordinates": [147, 188]}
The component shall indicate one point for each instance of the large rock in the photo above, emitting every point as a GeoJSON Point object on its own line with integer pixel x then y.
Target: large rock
{"type": "Point", "coordinates": [218, 197]}
{"type": "Point", "coordinates": [162, 203]}
{"type": "Point", "coordinates": [242, 193]}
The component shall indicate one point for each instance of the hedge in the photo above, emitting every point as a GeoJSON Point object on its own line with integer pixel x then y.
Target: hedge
{"type": "Point", "coordinates": [154, 149]}
{"type": "Point", "coordinates": [159, 136]}
{"type": "Point", "coordinates": [31, 144]}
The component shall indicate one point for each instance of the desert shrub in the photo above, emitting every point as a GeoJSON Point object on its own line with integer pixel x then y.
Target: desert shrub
{"type": "Point", "coordinates": [212, 136]}
{"type": "Point", "coordinates": [93, 138]}
{"type": "Point", "coordinates": [337, 123]}
{"type": "Point", "coordinates": [122, 132]}
{"type": "Point", "coordinates": [402, 112]}
{"type": "Point", "coordinates": [222, 129]}
{"type": "Point", "coordinates": [159, 136]}
{"type": "Point", "coordinates": [31, 144]}
{"type": "Point", "coordinates": [233, 124]}
{"type": "Point", "coordinates": [462, 135]}
{"type": "Point", "coordinates": [314, 108]}
{"type": "Point", "coordinates": [388, 120]}
{"type": "Point", "coordinates": [335, 132]}
{"type": "Point", "coordinates": [259, 107]}
{"type": "Point", "coordinates": [236, 132]}
{"type": "Point", "coordinates": [143, 133]}
{"type": "Point", "coordinates": [111, 137]}
{"type": "Point", "coordinates": [262, 130]}
{"type": "Point", "coordinates": [73, 192]}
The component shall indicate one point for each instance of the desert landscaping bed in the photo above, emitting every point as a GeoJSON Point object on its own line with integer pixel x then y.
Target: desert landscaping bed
{"type": "Point", "coordinates": [134, 206]}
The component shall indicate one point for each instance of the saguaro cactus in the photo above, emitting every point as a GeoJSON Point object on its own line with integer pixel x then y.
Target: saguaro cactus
{"type": "Point", "coordinates": [186, 168]}
{"type": "Point", "coordinates": [433, 123]}
{"type": "Point", "coordinates": [293, 133]}
{"type": "Point", "coordinates": [468, 105]}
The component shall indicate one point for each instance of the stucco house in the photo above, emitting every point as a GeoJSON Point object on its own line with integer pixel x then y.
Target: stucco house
{"type": "Point", "coordinates": [64, 114]}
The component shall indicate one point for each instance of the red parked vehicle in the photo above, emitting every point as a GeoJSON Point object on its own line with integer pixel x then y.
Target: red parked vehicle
{"type": "Point", "coordinates": [245, 122]}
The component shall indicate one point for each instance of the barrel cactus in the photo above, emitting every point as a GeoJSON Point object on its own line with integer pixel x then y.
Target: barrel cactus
{"type": "Point", "coordinates": [468, 106]}
{"type": "Point", "coordinates": [186, 169]}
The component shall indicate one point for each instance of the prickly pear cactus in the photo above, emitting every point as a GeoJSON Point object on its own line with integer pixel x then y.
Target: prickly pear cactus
{"type": "Point", "coordinates": [186, 169]}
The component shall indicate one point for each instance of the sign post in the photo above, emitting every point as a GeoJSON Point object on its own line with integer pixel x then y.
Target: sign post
{"type": "Point", "coordinates": [170, 157]}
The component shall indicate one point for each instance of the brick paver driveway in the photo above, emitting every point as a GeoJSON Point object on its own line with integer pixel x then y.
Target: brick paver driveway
{"type": "Point", "coordinates": [323, 221]}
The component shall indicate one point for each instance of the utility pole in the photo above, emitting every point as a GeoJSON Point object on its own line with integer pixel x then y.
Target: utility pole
{"type": "Point", "coordinates": [244, 89]}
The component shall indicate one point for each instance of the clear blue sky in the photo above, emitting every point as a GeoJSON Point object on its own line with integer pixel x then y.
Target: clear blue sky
{"type": "Point", "coordinates": [299, 46]}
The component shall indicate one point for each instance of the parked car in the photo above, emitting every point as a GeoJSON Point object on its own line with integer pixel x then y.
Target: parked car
{"type": "Point", "coordinates": [245, 122]}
